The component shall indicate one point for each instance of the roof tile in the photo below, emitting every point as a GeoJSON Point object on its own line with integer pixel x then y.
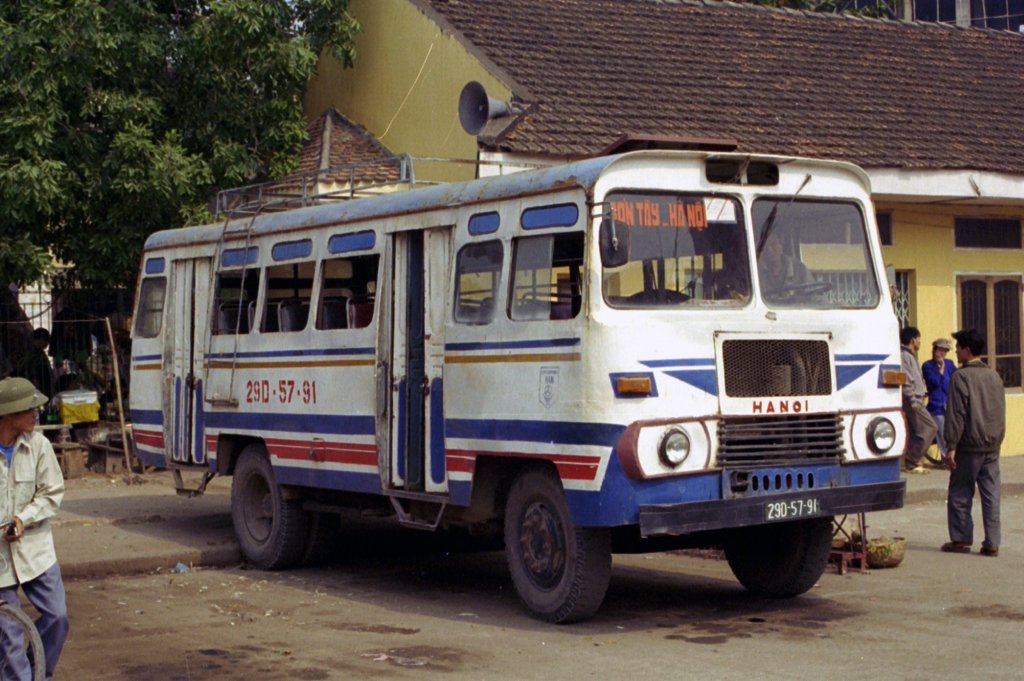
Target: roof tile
{"type": "Point", "coordinates": [874, 92]}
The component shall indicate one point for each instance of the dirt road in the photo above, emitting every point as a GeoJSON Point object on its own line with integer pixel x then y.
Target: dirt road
{"type": "Point", "coordinates": [404, 605]}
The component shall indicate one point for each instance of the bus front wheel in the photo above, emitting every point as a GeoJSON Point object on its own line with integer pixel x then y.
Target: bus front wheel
{"type": "Point", "coordinates": [780, 561]}
{"type": "Point", "coordinates": [271, 530]}
{"type": "Point", "coordinates": [560, 570]}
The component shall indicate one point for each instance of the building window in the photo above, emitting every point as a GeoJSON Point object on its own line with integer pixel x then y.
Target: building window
{"type": "Point", "coordinates": [987, 233]}
{"type": "Point", "coordinates": [884, 222]}
{"type": "Point", "coordinates": [935, 10]}
{"type": "Point", "coordinates": [1004, 15]}
{"type": "Point", "coordinates": [992, 304]}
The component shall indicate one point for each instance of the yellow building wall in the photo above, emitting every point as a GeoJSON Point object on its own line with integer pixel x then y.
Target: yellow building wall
{"type": "Point", "coordinates": [923, 245]}
{"type": "Point", "coordinates": [404, 87]}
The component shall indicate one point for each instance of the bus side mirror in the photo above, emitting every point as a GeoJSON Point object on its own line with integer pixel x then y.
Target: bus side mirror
{"type": "Point", "coordinates": [614, 242]}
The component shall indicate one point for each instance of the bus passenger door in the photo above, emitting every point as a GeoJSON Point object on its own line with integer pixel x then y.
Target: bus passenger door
{"type": "Point", "coordinates": [419, 299]}
{"type": "Point", "coordinates": [183, 384]}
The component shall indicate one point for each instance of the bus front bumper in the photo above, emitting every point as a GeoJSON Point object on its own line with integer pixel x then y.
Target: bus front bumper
{"type": "Point", "coordinates": [686, 518]}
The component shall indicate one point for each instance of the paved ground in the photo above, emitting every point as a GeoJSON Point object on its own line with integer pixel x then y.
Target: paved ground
{"type": "Point", "coordinates": [109, 527]}
{"type": "Point", "coordinates": [402, 604]}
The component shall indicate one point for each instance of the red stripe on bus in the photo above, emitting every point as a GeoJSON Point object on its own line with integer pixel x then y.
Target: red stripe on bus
{"type": "Point", "coordinates": [569, 467]}
{"type": "Point", "coordinates": [149, 438]}
{"type": "Point", "coordinates": [333, 452]}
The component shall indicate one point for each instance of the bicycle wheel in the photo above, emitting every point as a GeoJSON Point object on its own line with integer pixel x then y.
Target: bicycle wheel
{"type": "Point", "coordinates": [18, 631]}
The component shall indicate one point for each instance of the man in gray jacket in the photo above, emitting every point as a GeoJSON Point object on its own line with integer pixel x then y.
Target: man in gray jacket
{"type": "Point", "coordinates": [974, 430]}
{"type": "Point", "coordinates": [919, 422]}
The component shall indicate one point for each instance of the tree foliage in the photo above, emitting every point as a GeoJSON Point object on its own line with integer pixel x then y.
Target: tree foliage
{"type": "Point", "coordinates": [121, 117]}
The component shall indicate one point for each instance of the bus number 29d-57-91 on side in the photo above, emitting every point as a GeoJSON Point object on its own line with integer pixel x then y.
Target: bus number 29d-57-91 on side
{"type": "Point", "coordinates": [285, 392]}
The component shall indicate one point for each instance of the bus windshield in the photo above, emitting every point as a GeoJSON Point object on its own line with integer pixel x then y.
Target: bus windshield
{"type": "Point", "coordinates": [680, 249]}
{"type": "Point", "coordinates": [813, 254]}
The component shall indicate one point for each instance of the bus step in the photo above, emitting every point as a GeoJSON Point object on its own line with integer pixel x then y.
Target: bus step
{"type": "Point", "coordinates": [179, 484]}
{"type": "Point", "coordinates": [408, 519]}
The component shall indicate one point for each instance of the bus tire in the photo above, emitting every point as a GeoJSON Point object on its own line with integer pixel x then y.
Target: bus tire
{"type": "Point", "coordinates": [780, 561]}
{"type": "Point", "coordinates": [560, 570]}
{"type": "Point", "coordinates": [271, 530]}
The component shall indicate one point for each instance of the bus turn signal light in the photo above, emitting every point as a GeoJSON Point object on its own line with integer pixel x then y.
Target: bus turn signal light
{"type": "Point", "coordinates": [893, 377]}
{"type": "Point", "coordinates": [634, 385]}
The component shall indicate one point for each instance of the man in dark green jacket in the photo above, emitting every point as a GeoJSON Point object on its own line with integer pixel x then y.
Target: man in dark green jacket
{"type": "Point", "coordinates": [974, 430]}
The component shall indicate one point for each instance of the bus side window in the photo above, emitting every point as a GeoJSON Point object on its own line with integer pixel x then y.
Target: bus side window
{"type": "Point", "coordinates": [289, 290]}
{"type": "Point", "coordinates": [478, 273]}
{"type": "Point", "coordinates": [231, 301]}
{"type": "Point", "coordinates": [151, 307]}
{"type": "Point", "coordinates": [546, 277]}
{"type": "Point", "coordinates": [347, 292]}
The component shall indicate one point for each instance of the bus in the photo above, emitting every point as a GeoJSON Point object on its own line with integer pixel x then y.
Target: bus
{"type": "Point", "coordinates": [646, 351]}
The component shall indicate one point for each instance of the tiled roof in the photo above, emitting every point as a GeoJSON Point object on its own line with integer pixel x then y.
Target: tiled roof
{"type": "Point", "coordinates": [334, 143]}
{"type": "Point", "coordinates": [338, 160]}
{"type": "Point", "coordinates": [877, 93]}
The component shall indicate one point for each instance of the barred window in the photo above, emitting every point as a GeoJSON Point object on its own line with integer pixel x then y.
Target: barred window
{"type": "Point", "coordinates": [992, 304]}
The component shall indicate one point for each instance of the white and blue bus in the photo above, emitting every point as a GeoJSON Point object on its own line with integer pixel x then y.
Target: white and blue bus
{"type": "Point", "coordinates": [635, 352]}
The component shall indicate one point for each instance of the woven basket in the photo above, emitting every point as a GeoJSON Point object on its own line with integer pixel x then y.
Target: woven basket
{"type": "Point", "coordinates": [886, 552]}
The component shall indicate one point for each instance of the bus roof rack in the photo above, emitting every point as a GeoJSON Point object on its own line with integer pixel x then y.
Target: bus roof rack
{"type": "Point", "coordinates": [342, 182]}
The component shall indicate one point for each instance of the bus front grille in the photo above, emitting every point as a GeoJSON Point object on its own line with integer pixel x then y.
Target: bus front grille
{"type": "Point", "coordinates": [780, 440]}
{"type": "Point", "coordinates": [776, 368]}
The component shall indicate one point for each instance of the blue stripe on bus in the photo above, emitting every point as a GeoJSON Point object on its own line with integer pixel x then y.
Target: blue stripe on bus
{"type": "Point", "coordinates": [548, 432]}
{"type": "Point", "coordinates": [506, 345]}
{"type": "Point", "coordinates": [860, 358]}
{"type": "Point", "coordinates": [848, 373]}
{"type": "Point", "coordinates": [402, 421]}
{"type": "Point", "coordinates": [175, 444]}
{"type": "Point", "coordinates": [152, 417]}
{"type": "Point", "coordinates": [680, 362]}
{"type": "Point", "coordinates": [437, 448]}
{"type": "Point", "coordinates": [145, 358]}
{"type": "Point", "coordinates": [328, 479]}
{"type": "Point", "coordinates": [702, 379]}
{"type": "Point", "coordinates": [199, 439]}
{"type": "Point", "coordinates": [329, 352]}
{"type": "Point", "coordinates": [292, 423]}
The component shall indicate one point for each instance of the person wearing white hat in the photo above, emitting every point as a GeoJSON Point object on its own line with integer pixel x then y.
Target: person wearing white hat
{"type": "Point", "coordinates": [31, 490]}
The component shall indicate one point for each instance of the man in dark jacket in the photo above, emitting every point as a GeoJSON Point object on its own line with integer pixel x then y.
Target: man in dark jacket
{"type": "Point", "coordinates": [974, 430]}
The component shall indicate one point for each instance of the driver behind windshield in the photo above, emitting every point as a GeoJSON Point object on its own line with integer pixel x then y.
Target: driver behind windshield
{"type": "Point", "coordinates": [779, 271]}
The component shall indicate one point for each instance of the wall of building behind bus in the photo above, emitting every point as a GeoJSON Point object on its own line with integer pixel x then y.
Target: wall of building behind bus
{"type": "Point", "coordinates": [406, 98]}
{"type": "Point", "coordinates": [923, 245]}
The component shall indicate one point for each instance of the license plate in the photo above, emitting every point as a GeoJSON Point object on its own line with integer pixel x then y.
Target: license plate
{"type": "Point", "coordinates": [791, 510]}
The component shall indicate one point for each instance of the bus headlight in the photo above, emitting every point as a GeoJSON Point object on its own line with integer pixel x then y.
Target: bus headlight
{"type": "Point", "coordinates": [881, 435]}
{"type": "Point", "coordinates": [674, 447]}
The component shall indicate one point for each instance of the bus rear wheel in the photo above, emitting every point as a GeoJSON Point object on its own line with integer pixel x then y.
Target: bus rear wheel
{"type": "Point", "coordinates": [560, 570]}
{"type": "Point", "coordinates": [780, 561]}
{"type": "Point", "coordinates": [271, 530]}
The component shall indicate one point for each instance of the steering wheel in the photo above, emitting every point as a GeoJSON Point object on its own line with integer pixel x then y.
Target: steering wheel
{"type": "Point", "coordinates": [658, 296]}
{"type": "Point", "coordinates": [808, 288]}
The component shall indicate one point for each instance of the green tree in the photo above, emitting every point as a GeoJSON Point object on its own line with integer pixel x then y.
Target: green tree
{"type": "Point", "coordinates": [121, 117]}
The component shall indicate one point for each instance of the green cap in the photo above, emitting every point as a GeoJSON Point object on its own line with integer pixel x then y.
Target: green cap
{"type": "Point", "coordinates": [18, 394]}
